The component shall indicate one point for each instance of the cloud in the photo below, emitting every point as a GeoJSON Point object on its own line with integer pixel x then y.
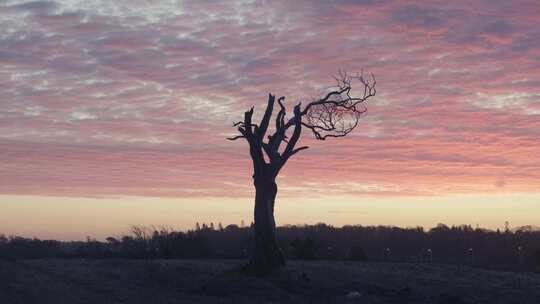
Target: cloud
{"type": "Point", "coordinates": [136, 97]}
{"type": "Point", "coordinates": [36, 6]}
{"type": "Point", "coordinates": [499, 28]}
{"type": "Point", "coordinates": [415, 16]}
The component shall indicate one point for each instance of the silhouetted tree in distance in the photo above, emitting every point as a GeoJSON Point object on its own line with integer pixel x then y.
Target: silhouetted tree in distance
{"type": "Point", "coordinates": [335, 114]}
{"type": "Point", "coordinates": [491, 249]}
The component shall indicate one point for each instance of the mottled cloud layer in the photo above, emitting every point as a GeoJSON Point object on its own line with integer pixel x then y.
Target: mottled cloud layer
{"type": "Point", "coordinates": [136, 97]}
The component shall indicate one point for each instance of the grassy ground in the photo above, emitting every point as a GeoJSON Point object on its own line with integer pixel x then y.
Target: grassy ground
{"type": "Point", "coordinates": [189, 281]}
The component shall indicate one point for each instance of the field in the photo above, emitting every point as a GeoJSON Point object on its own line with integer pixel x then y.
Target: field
{"type": "Point", "coordinates": [218, 281]}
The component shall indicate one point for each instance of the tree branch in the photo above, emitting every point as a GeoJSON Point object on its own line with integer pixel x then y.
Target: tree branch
{"type": "Point", "coordinates": [296, 133]}
{"type": "Point", "coordinates": [247, 122]}
{"type": "Point", "coordinates": [266, 118]}
{"type": "Point", "coordinates": [335, 114]}
{"type": "Point", "coordinates": [338, 113]}
{"type": "Point", "coordinates": [236, 137]}
{"type": "Point", "coordinates": [293, 152]}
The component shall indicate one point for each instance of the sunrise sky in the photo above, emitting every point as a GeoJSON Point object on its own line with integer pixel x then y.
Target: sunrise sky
{"type": "Point", "coordinates": [115, 113]}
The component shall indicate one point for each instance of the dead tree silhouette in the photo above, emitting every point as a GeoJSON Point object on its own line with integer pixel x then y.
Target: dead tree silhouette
{"type": "Point", "coordinates": [335, 114]}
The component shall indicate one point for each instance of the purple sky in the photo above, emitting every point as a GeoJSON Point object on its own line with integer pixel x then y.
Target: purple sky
{"type": "Point", "coordinates": [135, 98]}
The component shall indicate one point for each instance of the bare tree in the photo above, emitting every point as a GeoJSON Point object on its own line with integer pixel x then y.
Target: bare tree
{"type": "Point", "coordinates": [335, 114]}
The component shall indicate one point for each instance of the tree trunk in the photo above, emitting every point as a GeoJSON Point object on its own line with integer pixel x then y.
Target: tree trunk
{"type": "Point", "coordinates": [266, 255]}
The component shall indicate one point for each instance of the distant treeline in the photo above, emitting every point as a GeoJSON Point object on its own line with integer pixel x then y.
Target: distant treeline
{"type": "Point", "coordinates": [512, 250]}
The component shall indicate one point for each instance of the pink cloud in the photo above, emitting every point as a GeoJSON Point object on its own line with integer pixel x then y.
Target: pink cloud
{"type": "Point", "coordinates": [99, 100]}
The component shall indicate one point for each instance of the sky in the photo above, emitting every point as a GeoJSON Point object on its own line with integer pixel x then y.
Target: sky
{"type": "Point", "coordinates": [115, 113]}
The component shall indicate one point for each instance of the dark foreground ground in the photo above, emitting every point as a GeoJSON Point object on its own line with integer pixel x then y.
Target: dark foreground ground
{"type": "Point", "coordinates": [189, 281]}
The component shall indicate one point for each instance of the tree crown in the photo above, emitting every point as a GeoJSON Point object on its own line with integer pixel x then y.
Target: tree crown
{"type": "Point", "coordinates": [335, 114]}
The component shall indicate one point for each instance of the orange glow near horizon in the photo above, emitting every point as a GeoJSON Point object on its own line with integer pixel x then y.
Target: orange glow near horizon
{"type": "Point", "coordinates": [76, 218]}
{"type": "Point", "coordinates": [115, 113]}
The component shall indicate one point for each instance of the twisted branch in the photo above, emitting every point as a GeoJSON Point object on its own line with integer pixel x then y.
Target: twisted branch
{"type": "Point", "coordinates": [336, 114]}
